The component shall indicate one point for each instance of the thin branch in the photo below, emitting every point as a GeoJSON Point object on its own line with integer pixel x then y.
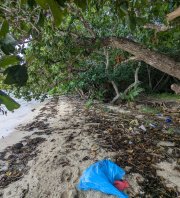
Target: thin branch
{"type": "Point", "coordinates": [133, 58]}
{"type": "Point", "coordinates": [5, 9]}
{"type": "Point", "coordinates": [149, 76]}
{"type": "Point", "coordinates": [65, 32]}
{"type": "Point", "coordinates": [136, 81]}
{"type": "Point", "coordinates": [106, 54]}
{"type": "Point", "coordinates": [118, 94]}
{"type": "Point", "coordinates": [157, 28]}
{"type": "Point", "coordinates": [34, 27]}
{"type": "Point", "coordinates": [115, 99]}
{"type": "Point", "coordinates": [80, 92]}
{"type": "Point", "coordinates": [159, 82]}
{"type": "Point", "coordinates": [115, 87]}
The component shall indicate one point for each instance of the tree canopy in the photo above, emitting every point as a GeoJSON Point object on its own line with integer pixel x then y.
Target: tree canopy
{"type": "Point", "coordinates": [92, 47]}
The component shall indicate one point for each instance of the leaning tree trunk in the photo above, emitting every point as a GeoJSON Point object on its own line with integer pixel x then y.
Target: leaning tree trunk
{"type": "Point", "coordinates": [153, 58]}
{"type": "Point", "coordinates": [142, 53]}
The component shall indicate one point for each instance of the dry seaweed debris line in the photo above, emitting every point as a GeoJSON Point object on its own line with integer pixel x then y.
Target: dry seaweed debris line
{"type": "Point", "coordinates": [136, 150]}
{"type": "Point", "coordinates": [15, 159]}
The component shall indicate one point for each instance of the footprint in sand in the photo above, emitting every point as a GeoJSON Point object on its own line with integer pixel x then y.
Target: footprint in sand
{"type": "Point", "coordinates": [71, 176]}
{"type": "Point", "coordinates": [70, 194]}
{"type": "Point", "coordinates": [66, 175]}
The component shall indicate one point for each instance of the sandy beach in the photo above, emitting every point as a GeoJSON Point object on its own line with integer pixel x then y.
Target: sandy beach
{"type": "Point", "coordinates": [56, 170]}
{"type": "Point", "coordinates": [57, 143]}
{"type": "Point", "coordinates": [10, 123]}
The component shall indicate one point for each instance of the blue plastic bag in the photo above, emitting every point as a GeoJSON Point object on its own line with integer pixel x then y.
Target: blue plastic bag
{"type": "Point", "coordinates": [101, 176]}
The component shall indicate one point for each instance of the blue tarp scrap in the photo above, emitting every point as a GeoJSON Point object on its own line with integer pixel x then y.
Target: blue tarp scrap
{"type": "Point", "coordinates": [100, 176]}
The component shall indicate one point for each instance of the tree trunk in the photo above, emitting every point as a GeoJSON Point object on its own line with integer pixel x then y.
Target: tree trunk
{"type": "Point", "coordinates": [153, 58]}
{"type": "Point", "coordinates": [176, 13]}
{"type": "Point", "coordinates": [136, 81]}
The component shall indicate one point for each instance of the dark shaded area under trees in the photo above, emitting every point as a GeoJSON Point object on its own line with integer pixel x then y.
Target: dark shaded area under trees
{"type": "Point", "coordinates": [68, 45]}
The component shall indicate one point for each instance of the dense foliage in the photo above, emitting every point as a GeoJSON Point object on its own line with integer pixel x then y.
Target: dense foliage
{"type": "Point", "coordinates": [53, 47]}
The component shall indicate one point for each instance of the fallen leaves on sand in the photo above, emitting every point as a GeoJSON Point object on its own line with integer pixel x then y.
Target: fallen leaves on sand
{"type": "Point", "coordinates": [17, 157]}
{"type": "Point", "coordinates": [139, 149]}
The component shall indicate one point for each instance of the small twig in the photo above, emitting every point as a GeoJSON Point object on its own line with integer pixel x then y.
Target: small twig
{"type": "Point", "coordinates": [157, 28]}
{"type": "Point", "coordinates": [136, 81]}
{"type": "Point", "coordinates": [159, 82]}
{"type": "Point", "coordinates": [5, 9]}
{"type": "Point", "coordinates": [115, 88]}
{"type": "Point", "coordinates": [106, 54]}
{"type": "Point", "coordinates": [149, 77]}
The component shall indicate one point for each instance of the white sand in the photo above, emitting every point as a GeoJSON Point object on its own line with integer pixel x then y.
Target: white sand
{"type": "Point", "coordinates": [169, 173]}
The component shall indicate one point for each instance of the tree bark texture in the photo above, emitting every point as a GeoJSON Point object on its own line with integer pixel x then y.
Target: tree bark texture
{"type": "Point", "coordinates": [176, 13]}
{"type": "Point", "coordinates": [153, 58]}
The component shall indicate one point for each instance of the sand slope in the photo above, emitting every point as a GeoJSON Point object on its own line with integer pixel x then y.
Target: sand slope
{"type": "Point", "coordinates": [61, 141]}
{"type": "Point", "coordinates": [67, 151]}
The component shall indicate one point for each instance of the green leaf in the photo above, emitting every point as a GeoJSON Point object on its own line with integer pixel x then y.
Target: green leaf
{"type": "Point", "coordinates": [4, 29]}
{"type": "Point", "coordinates": [131, 22]}
{"type": "Point", "coordinates": [8, 101]}
{"type": "Point", "coordinates": [43, 3]}
{"type": "Point", "coordinates": [124, 10]}
{"type": "Point", "coordinates": [57, 12]}
{"type": "Point", "coordinates": [61, 2]}
{"type": "Point", "coordinates": [8, 44]}
{"type": "Point", "coordinates": [81, 3]}
{"type": "Point", "coordinates": [16, 75]}
{"type": "Point", "coordinates": [31, 3]}
{"type": "Point", "coordinates": [24, 26]}
{"type": "Point", "coordinates": [176, 34]}
{"type": "Point", "coordinates": [22, 2]}
{"type": "Point", "coordinates": [9, 60]}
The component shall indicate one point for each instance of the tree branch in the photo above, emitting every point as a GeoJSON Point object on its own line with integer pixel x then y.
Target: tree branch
{"type": "Point", "coordinates": [106, 54]}
{"type": "Point", "coordinates": [153, 58]}
{"type": "Point", "coordinates": [115, 87]}
{"type": "Point", "coordinates": [157, 28]}
{"type": "Point", "coordinates": [171, 16]}
{"type": "Point", "coordinates": [158, 82]}
{"type": "Point", "coordinates": [118, 94]}
{"type": "Point", "coordinates": [136, 81]}
{"type": "Point", "coordinates": [133, 58]}
{"type": "Point", "coordinates": [5, 9]}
